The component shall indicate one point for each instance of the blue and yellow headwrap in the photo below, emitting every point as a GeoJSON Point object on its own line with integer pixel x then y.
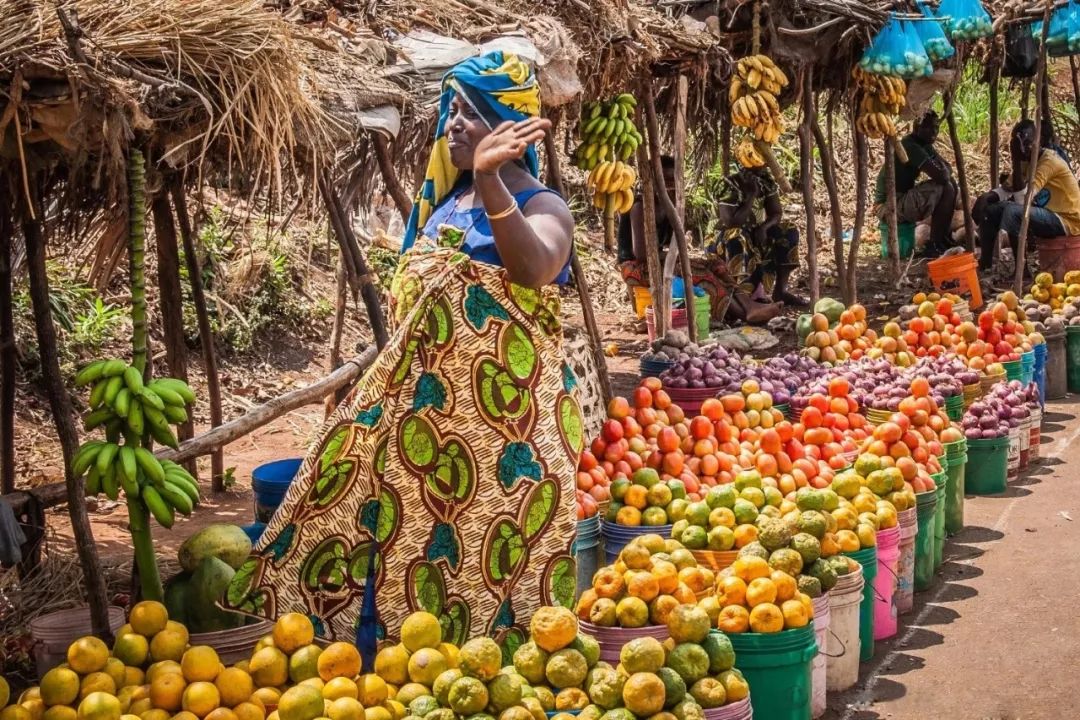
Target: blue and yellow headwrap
{"type": "Point", "coordinates": [499, 87]}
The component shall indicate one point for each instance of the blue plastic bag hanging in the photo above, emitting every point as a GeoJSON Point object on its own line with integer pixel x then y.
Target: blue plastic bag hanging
{"type": "Point", "coordinates": [915, 57]}
{"type": "Point", "coordinates": [933, 37]}
{"type": "Point", "coordinates": [1072, 26]}
{"type": "Point", "coordinates": [965, 19]}
{"type": "Point", "coordinates": [896, 50]}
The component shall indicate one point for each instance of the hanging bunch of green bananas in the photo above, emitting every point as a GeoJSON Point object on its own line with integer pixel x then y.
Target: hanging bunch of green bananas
{"type": "Point", "coordinates": [607, 132]}
{"type": "Point", "coordinates": [130, 410]}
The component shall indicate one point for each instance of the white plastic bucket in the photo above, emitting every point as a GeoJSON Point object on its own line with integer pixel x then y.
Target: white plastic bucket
{"type": "Point", "coordinates": [53, 633]}
{"type": "Point", "coordinates": [905, 566]}
{"type": "Point", "coordinates": [818, 683]}
{"type": "Point", "coordinates": [842, 658]}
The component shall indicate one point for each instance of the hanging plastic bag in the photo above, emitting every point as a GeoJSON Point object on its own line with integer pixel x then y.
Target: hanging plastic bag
{"type": "Point", "coordinates": [896, 50]}
{"type": "Point", "coordinates": [1021, 52]}
{"type": "Point", "coordinates": [1072, 26]}
{"type": "Point", "coordinates": [932, 35]}
{"type": "Point", "coordinates": [915, 56]}
{"type": "Point", "coordinates": [965, 19]}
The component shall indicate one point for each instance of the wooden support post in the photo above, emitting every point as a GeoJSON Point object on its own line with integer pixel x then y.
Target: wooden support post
{"type": "Point", "coordinates": [341, 303]}
{"type": "Point", "coordinates": [60, 405]}
{"type": "Point", "coordinates": [7, 348]}
{"type": "Point", "coordinates": [806, 172]}
{"type": "Point", "coordinates": [1025, 98]}
{"type": "Point", "coordinates": [995, 130]}
{"type": "Point", "coordinates": [588, 313]}
{"type": "Point", "coordinates": [206, 335]}
{"type": "Point", "coordinates": [862, 187]}
{"type": "Point", "coordinates": [836, 220]}
{"type": "Point", "coordinates": [682, 91]}
{"type": "Point", "coordinates": [390, 178]}
{"type": "Point", "coordinates": [961, 175]}
{"type": "Point", "coordinates": [890, 212]}
{"type": "Point", "coordinates": [1073, 71]}
{"type": "Point", "coordinates": [673, 215]}
{"type": "Point", "coordinates": [1036, 148]}
{"type": "Point", "coordinates": [349, 245]}
{"type": "Point", "coordinates": [171, 302]}
{"type": "Point", "coordinates": [652, 244]}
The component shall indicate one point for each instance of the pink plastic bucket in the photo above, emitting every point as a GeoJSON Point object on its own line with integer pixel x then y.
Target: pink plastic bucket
{"type": "Point", "coordinates": [905, 566]}
{"type": "Point", "coordinates": [888, 556]}
{"type": "Point", "coordinates": [818, 703]}
{"type": "Point", "coordinates": [611, 640]}
{"type": "Point", "coordinates": [740, 710]}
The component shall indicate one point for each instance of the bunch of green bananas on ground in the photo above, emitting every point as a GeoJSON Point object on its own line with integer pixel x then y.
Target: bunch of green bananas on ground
{"type": "Point", "coordinates": [611, 183]}
{"type": "Point", "coordinates": [607, 132]}
{"type": "Point", "coordinates": [126, 406]}
{"type": "Point", "coordinates": [163, 486]}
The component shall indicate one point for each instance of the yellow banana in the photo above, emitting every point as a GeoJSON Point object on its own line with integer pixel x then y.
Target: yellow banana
{"type": "Point", "coordinates": [599, 200]}
{"type": "Point", "coordinates": [753, 79]}
{"type": "Point", "coordinates": [770, 100]}
{"type": "Point", "coordinates": [735, 90]}
{"type": "Point", "coordinates": [625, 202]}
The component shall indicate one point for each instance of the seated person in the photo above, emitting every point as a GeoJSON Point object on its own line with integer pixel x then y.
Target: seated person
{"type": "Point", "coordinates": [934, 197]}
{"type": "Point", "coordinates": [1055, 210]}
{"type": "Point", "coordinates": [761, 252]}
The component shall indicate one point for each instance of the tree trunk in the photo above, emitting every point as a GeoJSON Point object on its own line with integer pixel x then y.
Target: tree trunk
{"type": "Point", "coordinates": [7, 349]}
{"type": "Point", "coordinates": [836, 220]}
{"type": "Point", "coordinates": [1029, 195]}
{"type": "Point", "coordinates": [206, 335]}
{"type": "Point", "coordinates": [995, 131]}
{"type": "Point", "coordinates": [341, 303]}
{"type": "Point", "coordinates": [890, 212]}
{"type": "Point", "coordinates": [961, 176]}
{"type": "Point", "coordinates": [60, 405]}
{"type": "Point", "coordinates": [862, 161]}
{"type": "Point", "coordinates": [806, 158]}
{"type": "Point", "coordinates": [652, 249]}
{"type": "Point", "coordinates": [390, 178]}
{"type": "Point", "coordinates": [1075, 83]}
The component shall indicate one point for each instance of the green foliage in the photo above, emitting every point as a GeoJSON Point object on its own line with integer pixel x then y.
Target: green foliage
{"type": "Point", "coordinates": [971, 106]}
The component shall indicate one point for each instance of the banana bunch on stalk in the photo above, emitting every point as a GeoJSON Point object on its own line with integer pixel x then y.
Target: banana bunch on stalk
{"type": "Point", "coordinates": [883, 98]}
{"type": "Point", "coordinates": [747, 154]}
{"type": "Point", "coordinates": [752, 96]}
{"type": "Point", "coordinates": [611, 184]}
{"type": "Point", "coordinates": [607, 132]}
{"type": "Point", "coordinates": [129, 410]}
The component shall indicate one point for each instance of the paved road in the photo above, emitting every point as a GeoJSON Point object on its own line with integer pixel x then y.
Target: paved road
{"type": "Point", "coordinates": [996, 636]}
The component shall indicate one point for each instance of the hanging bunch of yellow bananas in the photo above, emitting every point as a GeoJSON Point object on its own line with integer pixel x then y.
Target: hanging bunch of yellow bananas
{"type": "Point", "coordinates": [747, 154]}
{"type": "Point", "coordinates": [607, 132]}
{"type": "Point", "coordinates": [611, 183]}
{"type": "Point", "coordinates": [883, 97]}
{"type": "Point", "coordinates": [752, 96]}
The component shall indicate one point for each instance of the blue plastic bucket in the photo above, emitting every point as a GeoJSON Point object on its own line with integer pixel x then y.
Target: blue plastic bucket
{"type": "Point", "coordinates": [587, 551]}
{"type": "Point", "coordinates": [270, 482]}
{"type": "Point", "coordinates": [616, 537]}
{"type": "Point", "coordinates": [1027, 368]}
{"type": "Point", "coordinates": [1040, 371]}
{"type": "Point", "coordinates": [254, 531]}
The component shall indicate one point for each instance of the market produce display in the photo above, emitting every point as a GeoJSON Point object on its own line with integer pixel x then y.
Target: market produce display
{"type": "Point", "coordinates": [992, 416]}
{"type": "Point", "coordinates": [834, 333]}
{"type": "Point", "coordinates": [884, 96]}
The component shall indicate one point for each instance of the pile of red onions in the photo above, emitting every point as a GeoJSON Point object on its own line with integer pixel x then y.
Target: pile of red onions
{"type": "Point", "coordinates": [1003, 408]}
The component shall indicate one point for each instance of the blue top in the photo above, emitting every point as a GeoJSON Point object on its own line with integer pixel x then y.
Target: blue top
{"type": "Point", "coordinates": [479, 242]}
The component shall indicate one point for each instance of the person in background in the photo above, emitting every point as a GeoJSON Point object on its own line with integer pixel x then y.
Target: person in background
{"type": "Point", "coordinates": [1055, 210]}
{"type": "Point", "coordinates": [761, 252]}
{"type": "Point", "coordinates": [932, 198]}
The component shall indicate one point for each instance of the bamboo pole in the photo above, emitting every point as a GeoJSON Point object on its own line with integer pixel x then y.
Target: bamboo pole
{"type": "Point", "coordinates": [60, 404]}
{"type": "Point", "coordinates": [341, 303]}
{"type": "Point", "coordinates": [862, 187]}
{"type": "Point", "coordinates": [1036, 149]}
{"type": "Point", "coordinates": [961, 174]}
{"type": "Point", "coordinates": [652, 245]}
{"type": "Point", "coordinates": [995, 130]}
{"type": "Point", "coordinates": [7, 348]}
{"type": "Point", "coordinates": [390, 178]}
{"type": "Point", "coordinates": [1075, 73]}
{"type": "Point", "coordinates": [206, 335]}
{"type": "Point", "coordinates": [806, 180]}
{"type": "Point", "coordinates": [588, 313]}
{"type": "Point", "coordinates": [682, 89]}
{"type": "Point", "coordinates": [890, 212]}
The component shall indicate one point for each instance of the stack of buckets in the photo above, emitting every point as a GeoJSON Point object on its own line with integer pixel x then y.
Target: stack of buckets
{"type": "Point", "coordinates": [1040, 370]}
{"type": "Point", "coordinates": [586, 551]}
{"type": "Point", "coordinates": [702, 312]}
{"type": "Point", "coordinates": [1012, 456]}
{"type": "Point", "coordinates": [616, 536]}
{"type": "Point", "coordinates": [957, 274]}
{"type": "Point", "coordinates": [842, 661]}
{"type": "Point", "coordinates": [987, 469]}
{"type": "Point", "coordinates": [1036, 435]}
{"type": "Point", "coordinates": [941, 480]}
{"type": "Point", "coordinates": [954, 407]}
{"type": "Point", "coordinates": [1072, 333]}
{"type": "Point", "coordinates": [822, 618]}
{"type": "Point", "coordinates": [778, 668]}
{"type": "Point", "coordinates": [1062, 374]}
{"type": "Point", "coordinates": [888, 557]}
{"type": "Point", "coordinates": [987, 382]}
{"type": "Point", "coordinates": [971, 394]}
{"type": "Point", "coordinates": [926, 509]}
{"type": "Point", "coordinates": [905, 567]}
{"type": "Point", "coordinates": [1027, 367]}
{"type": "Point", "coordinates": [1013, 370]}
{"type": "Point", "coordinates": [867, 558]}
{"type": "Point", "coordinates": [955, 461]}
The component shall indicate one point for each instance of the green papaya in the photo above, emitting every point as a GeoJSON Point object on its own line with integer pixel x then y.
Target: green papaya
{"type": "Point", "coordinates": [227, 543]}
{"type": "Point", "coordinates": [829, 308]}
{"type": "Point", "coordinates": [207, 586]}
{"type": "Point", "coordinates": [177, 597]}
{"type": "Point", "coordinates": [802, 326]}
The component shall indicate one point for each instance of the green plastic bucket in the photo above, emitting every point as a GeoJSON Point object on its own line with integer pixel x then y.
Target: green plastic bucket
{"type": "Point", "coordinates": [1013, 370]}
{"type": "Point", "coordinates": [1072, 366]}
{"type": "Point", "coordinates": [954, 496]}
{"type": "Point", "coordinates": [777, 667]}
{"type": "Point", "coordinates": [954, 407]}
{"type": "Point", "coordinates": [939, 519]}
{"type": "Point", "coordinates": [702, 314]}
{"type": "Point", "coordinates": [905, 239]}
{"type": "Point", "coordinates": [867, 557]}
{"type": "Point", "coordinates": [926, 512]}
{"type": "Point", "coordinates": [988, 466]}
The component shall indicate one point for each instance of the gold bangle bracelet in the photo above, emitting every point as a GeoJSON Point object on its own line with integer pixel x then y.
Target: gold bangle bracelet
{"type": "Point", "coordinates": [505, 213]}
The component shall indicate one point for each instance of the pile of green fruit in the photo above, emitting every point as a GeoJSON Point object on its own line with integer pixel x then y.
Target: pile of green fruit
{"type": "Point", "coordinates": [209, 559]}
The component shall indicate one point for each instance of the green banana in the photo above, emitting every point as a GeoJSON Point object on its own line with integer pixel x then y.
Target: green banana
{"type": "Point", "coordinates": [113, 368]}
{"type": "Point", "coordinates": [177, 415]}
{"type": "Point", "coordinates": [613, 111]}
{"type": "Point", "coordinates": [114, 386]}
{"type": "Point", "coordinates": [176, 497]}
{"type": "Point", "coordinates": [164, 435]}
{"type": "Point", "coordinates": [133, 379]}
{"type": "Point", "coordinates": [129, 463]}
{"type": "Point", "coordinates": [627, 99]}
{"type": "Point", "coordinates": [179, 387]}
{"type": "Point", "coordinates": [110, 485]}
{"type": "Point", "coordinates": [93, 483]}
{"type": "Point", "coordinates": [594, 110]}
{"type": "Point", "coordinates": [185, 484]}
{"type": "Point", "coordinates": [122, 403]}
{"type": "Point", "coordinates": [150, 465]}
{"type": "Point", "coordinates": [130, 486]}
{"type": "Point", "coordinates": [105, 457]}
{"type": "Point", "coordinates": [97, 393]}
{"type": "Point", "coordinates": [150, 399]}
{"type": "Point", "coordinates": [90, 373]}
{"type": "Point", "coordinates": [114, 430]}
{"type": "Point", "coordinates": [167, 395]}
{"type": "Point", "coordinates": [136, 419]}
{"type": "Point", "coordinates": [85, 456]}
{"type": "Point", "coordinates": [157, 506]}
{"type": "Point", "coordinates": [97, 418]}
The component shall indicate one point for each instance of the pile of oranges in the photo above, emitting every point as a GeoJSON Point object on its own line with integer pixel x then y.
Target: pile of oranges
{"type": "Point", "coordinates": [830, 427]}
{"type": "Point", "coordinates": [753, 597]}
{"type": "Point", "coordinates": [849, 340]}
{"type": "Point", "coordinates": [910, 438]}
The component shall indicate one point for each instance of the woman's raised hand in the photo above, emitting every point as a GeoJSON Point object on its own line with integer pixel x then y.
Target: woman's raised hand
{"type": "Point", "coordinates": [507, 143]}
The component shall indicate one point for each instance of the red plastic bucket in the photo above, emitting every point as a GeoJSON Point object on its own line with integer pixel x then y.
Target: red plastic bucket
{"type": "Point", "coordinates": [1059, 255]}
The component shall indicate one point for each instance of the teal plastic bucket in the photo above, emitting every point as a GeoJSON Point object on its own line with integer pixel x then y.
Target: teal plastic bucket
{"type": "Point", "coordinates": [1012, 369]}
{"type": "Point", "coordinates": [925, 512]}
{"type": "Point", "coordinates": [269, 483]}
{"type": "Point", "coordinates": [942, 480]}
{"type": "Point", "coordinates": [954, 496]}
{"type": "Point", "coordinates": [777, 667]}
{"type": "Point", "coordinates": [988, 466]}
{"type": "Point", "coordinates": [867, 557]}
{"type": "Point", "coordinates": [905, 243]}
{"type": "Point", "coordinates": [1027, 367]}
{"type": "Point", "coordinates": [586, 550]}
{"type": "Point", "coordinates": [954, 407]}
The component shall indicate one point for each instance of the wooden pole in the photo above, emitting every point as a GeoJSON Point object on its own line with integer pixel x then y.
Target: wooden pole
{"type": "Point", "coordinates": [1036, 149]}
{"type": "Point", "coordinates": [349, 245]}
{"type": "Point", "coordinates": [206, 335]}
{"type": "Point", "coordinates": [7, 348]}
{"type": "Point", "coordinates": [890, 211]}
{"type": "Point", "coordinates": [836, 220]}
{"type": "Point", "coordinates": [588, 313]}
{"type": "Point", "coordinates": [341, 303]}
{"type": "Point", "coordinates": [682, 89]}
{"type": "Point", "coordinates": [171, 302]}
{"type": "Point", "coordinates": [673, 215]}
{"type": "Point", "coordinates": [961, 174]}
{"type": "Point", "coordinates": [995, 130]}
{"type": "Point", "coordinates": [1075, 83]}
{"type": "Point", "coordinates": [862, 187]}
{"type": "Point", "coordinates": [806, 172]}
{"type": "Point", "coordinates": [1025, 98]}
{"type": "Point", "coordinates": [652, 248]}
{"type": "Point", "coordinates": [60, 405]}
{"type": "Point", "coordinates": [390, 178]}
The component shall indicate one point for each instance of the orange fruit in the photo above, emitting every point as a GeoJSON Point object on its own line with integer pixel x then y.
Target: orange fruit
{"type": "Point", "coordinates": [766, 618]}
{"type": "Point", "coordinates": [794, 613]}
{"type": "Point", "coordinates": [734, 619]}
{"type": "Point", "coordinates": [759, 591]}
{"type": "Point", "coordinates": [731, 590]}
{"type": "Point", "coordinates": [786, 586]}
{"type": "Point", "coordinates": [751, 568]}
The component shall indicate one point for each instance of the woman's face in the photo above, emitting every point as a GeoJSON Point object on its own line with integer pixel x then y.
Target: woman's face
{"type": "Point", "coordinates": [464, 131]}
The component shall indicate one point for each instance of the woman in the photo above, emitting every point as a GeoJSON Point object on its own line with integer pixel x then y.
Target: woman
{"type": "Point", "coordinates": [446, 477]}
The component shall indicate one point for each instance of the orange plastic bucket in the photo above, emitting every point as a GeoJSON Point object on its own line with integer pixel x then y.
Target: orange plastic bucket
{"type": "Point", "coordinates": [957, 274]}
{"type": "Point", "coordinates": [642, 300]}
{"type": "Point", "coordinates": [1059, 255]}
